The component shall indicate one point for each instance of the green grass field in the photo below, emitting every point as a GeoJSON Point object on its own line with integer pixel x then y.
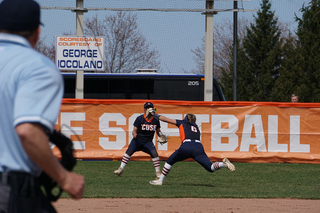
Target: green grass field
{"type": "Point", "coordinates": [189, 179]}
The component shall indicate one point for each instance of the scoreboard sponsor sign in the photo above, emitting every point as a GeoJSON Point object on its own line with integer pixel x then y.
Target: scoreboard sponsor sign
{"type": "Point", "coordinates": [80, 53]}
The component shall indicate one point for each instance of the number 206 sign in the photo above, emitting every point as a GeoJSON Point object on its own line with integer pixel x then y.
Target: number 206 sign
{"type": "Point", "coordinates": [80, 53]}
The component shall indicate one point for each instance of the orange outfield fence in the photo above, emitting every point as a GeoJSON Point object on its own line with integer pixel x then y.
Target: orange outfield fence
{"type": "Point", "coordinates": [240, 131]}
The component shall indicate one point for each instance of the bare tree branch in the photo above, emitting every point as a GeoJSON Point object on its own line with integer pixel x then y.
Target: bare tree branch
{"type": "Point", "coordinates": [126, 48]}
{"type": "Point", "coordinates": [223, 42]}
{"type": "Point", "coordinates": [46, 49]}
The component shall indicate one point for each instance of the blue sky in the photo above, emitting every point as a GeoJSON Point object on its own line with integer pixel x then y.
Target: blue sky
{"type": "Point", "coordinates": [173, 34]}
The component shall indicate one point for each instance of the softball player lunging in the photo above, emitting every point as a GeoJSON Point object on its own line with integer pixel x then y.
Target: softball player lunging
{"type": "Point", "coordinates": [143, 132]}
{"type": "Point", "coordinates": [191, 147]}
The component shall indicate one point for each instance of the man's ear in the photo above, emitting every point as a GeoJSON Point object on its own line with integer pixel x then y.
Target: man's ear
{"type": "Point", "coordinates": [35, 37]}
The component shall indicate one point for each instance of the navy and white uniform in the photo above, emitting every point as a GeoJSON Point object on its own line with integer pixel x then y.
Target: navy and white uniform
{"type": "Point", "coordinates": [191, 146]}
{"type": "Point", "coordinates": [143, 141]}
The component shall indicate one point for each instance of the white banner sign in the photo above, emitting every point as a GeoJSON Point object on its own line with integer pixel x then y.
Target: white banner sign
{"type": "Point", "coordinates": [80, 53]}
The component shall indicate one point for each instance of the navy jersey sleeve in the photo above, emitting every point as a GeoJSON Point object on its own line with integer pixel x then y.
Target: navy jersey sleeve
{"type": "Point", "coordinates": [137, 122]}
{"type": "Point", "coordinates": [178, 122]}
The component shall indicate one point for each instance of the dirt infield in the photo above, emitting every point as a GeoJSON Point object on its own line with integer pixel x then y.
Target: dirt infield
{"type": "Point", "coordinates": [187, 205]}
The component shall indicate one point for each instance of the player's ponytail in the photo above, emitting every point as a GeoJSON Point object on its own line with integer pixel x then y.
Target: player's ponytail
{"type": "Point", "coordinates": [191, 118]}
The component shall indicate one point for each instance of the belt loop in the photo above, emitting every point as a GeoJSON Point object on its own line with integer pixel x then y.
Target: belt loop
{"type": "Point", "coordinates": [4, 178]}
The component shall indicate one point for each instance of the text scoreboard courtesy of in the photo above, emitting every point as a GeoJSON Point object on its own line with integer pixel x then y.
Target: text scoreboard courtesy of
{"type": "Point", "coordinates": [80, 53]}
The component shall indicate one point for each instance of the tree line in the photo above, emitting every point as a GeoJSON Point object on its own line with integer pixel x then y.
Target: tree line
{"type": "Point", "coordinates": [272, 64]}
{"type": "Point", "coordinates": [271, 67]}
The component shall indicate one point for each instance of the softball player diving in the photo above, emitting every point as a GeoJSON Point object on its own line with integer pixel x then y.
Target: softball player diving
{"type": "Point", "coordinates": [191, 147]}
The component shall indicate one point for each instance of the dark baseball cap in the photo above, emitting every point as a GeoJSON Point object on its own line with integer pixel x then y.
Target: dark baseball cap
{"type": "Point", "coordinates": [148, 104]}
{"type": "Point", "coordinates": [19, 15]}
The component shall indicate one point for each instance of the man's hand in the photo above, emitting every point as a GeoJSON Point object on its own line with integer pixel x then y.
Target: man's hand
{"type": "Point", "coordinates": [73, 184]}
